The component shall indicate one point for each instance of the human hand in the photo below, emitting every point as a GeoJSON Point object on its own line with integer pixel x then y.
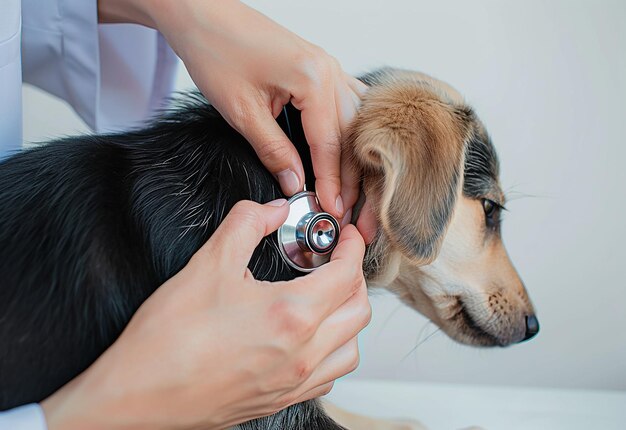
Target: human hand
{"type": "Point", "coordinates": [213, 347]}
{"type": "Point", "coordinates": [249, 67]}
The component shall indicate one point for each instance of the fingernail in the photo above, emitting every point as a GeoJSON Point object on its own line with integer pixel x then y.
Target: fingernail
{"type": "Point", "coordinates": [346, 218]}
{"type": "Point", "coordinates": [339, 204]}
{"type": "Point", "coordinates": [277, 202]}
{"type": "Point", "coordinates": [289, 182]}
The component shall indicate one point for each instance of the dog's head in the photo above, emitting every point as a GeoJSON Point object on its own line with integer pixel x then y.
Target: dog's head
{"type": "Point", "coordinates": [430, 174]}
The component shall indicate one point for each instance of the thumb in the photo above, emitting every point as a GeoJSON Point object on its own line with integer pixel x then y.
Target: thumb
{"type": "Point", "coordinates": [233, 243]}
{"type": "Point", "coordinates": [273, 148]}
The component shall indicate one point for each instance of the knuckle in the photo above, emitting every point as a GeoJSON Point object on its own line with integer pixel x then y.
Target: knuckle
{"type": "Point", "coordinates": [303, 369]}
{"type": "Point", "coordinates": [245, 212]}
{"type": "Point", "coordinates": [243, 207]}
{"type": "Point", "coordinates": [275, 150]}
{"type": "Point", "coordinates": [356, 286]}
{"type": "Point", "coordinates": [347, 278]}
{"type": "Point", "coordinates": [244, 222]}
{"type": "Point", "coordinates": [355, 360]}
{"type": "Point", "coordinates": [363, 311]}
{"type": "Point", "coordinates": [292, 323]}
{"type": "Point", "coordinates": [367, 313]}
{"type": "Point", "coordinates": [239, 112]}
{"type": "Point", "coordinates": [328, 388]}
{"type": "Point", "coordinates": [354, 276]}
{"type": "Point", "coordinates": [314, 66]}
{"type": "Point", "coordinates": [331, 143]}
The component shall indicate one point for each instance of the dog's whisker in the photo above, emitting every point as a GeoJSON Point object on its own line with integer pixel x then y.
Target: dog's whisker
{"type": "Point", "coordinates": [512, 194]}
{"type": "Point", "coordinates": [421, 332]}
{"type": "Point", "coordinates": [420, 343]}
{"type": "Point", "coordinates": [391, 315]}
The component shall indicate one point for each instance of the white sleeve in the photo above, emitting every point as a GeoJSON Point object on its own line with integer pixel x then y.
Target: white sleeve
{"type": "Point", "coordinates": [28, 417]}
{"type": "Point", "coordinates": [10, 79]}
{"type": "Point", "coordinates": [113, 75]}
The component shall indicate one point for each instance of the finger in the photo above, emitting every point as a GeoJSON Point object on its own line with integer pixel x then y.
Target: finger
{"type": "Point", "coordinates": [246, 224]}
{"type": "Point", "coordinates": [328, 287]}
{"type": "Point", "coordinates": [350, 249]}
{"type": "Point", "coordinates": [346, 104]}
{"type": "Point", "coordinates": [350, 179]}
{"type": "Point", "coordinates": [316, 392]}
{"type": "Point", "coordinates": [342, 325]}
{"type": "Point", "coordinates": [367, 223]}
{"type": "Point", "coordinates": [321, 127]}
{"type": "Point", "coordinates": [341, 362]}
{"type": "Point", "coordinates": [350, 186]}
{"type": "Point", "coordinates": [273, 147]}
{"type": "Point", "coordinates": [356, 84]}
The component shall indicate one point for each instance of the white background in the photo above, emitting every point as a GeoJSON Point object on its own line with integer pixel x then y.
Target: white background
{"type": "Point", "coordinates": [549, 81]}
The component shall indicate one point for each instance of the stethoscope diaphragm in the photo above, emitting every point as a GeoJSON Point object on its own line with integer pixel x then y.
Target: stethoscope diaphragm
{"type": "Point", "coordinates": [309, 234]}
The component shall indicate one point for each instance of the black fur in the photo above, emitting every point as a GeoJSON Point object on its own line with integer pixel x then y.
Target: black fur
{"type": "Point", "coordinates": [90, 226]}
{"type": "Point", "coordinates": [482, 167]}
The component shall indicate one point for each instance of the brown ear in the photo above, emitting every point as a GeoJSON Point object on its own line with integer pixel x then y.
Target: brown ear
{"type": "Point", "coordinates": [410, 144]}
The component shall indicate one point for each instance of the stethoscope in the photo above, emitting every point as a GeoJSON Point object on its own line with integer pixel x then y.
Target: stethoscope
{"type": "Point", "coordinates": [309, 234]}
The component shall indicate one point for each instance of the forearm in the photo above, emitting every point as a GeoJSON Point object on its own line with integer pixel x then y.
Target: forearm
{"type": "Point", "coordinates": [173, 18]}
{"type": "Point", "coordinates": [130, 11]}
{"type": "Point", "coordinates": [151, 13]}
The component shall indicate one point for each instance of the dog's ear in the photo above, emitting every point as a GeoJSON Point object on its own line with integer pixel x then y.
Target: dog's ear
{"type": "Point", "coordinates": [410, 145]}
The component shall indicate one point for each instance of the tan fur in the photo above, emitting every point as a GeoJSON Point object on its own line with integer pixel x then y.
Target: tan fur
{"type": "Point", "coordinates": [433, 248]}
{"type": "Point", "coordinates": [410, 146]}
{"type": "Point", "coordinates": [409, 141]}
{"type": "Point", "coordinates": [472, 274]}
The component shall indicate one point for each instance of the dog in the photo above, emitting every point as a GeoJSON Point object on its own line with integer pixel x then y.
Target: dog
{"type": "Point", "coordinates": [90, 226]}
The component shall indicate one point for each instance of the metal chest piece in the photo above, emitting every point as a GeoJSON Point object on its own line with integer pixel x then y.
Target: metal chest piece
{"type": "Point", "coordinates": [309, 235]}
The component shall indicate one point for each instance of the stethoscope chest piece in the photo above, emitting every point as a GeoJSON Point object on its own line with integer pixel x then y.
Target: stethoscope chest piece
{"type": "Point", "coordinates": [309, 235]}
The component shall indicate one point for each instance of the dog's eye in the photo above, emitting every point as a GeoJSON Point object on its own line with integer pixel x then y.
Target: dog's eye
{"type": "Point", "coordinates": [489, 206]}
{"type": "Point", "coordinates": [492, 213]}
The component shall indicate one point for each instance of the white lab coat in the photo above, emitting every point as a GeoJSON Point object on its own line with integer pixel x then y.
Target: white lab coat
{"type": "Point", "coordinates": [114, 76]}
{"type": "Point", "coordinates": [10, 77]}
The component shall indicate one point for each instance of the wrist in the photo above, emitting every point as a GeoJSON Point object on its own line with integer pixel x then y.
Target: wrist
{"type": "Point", "coordinates": [110, 395]}
{"type": "Point", "coordinates": [62, 412]}
{"type": "Point", "coordinates": [89, 401]}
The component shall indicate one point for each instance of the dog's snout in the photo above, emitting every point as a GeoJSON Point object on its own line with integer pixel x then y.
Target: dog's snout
{"type": "Point", "coordinates": [532, 327]}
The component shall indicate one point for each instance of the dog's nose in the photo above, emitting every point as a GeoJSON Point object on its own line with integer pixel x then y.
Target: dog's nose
{"type": "Point", "coordinates": [532, 327]}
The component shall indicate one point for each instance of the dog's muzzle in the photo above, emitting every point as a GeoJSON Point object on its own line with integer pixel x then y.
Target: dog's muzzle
{"type": "Point", "coordinates": [309, 235]}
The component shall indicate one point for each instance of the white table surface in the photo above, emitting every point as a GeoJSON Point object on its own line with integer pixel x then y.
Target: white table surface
{"type": "Point", "coordinates": [449, 406]}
